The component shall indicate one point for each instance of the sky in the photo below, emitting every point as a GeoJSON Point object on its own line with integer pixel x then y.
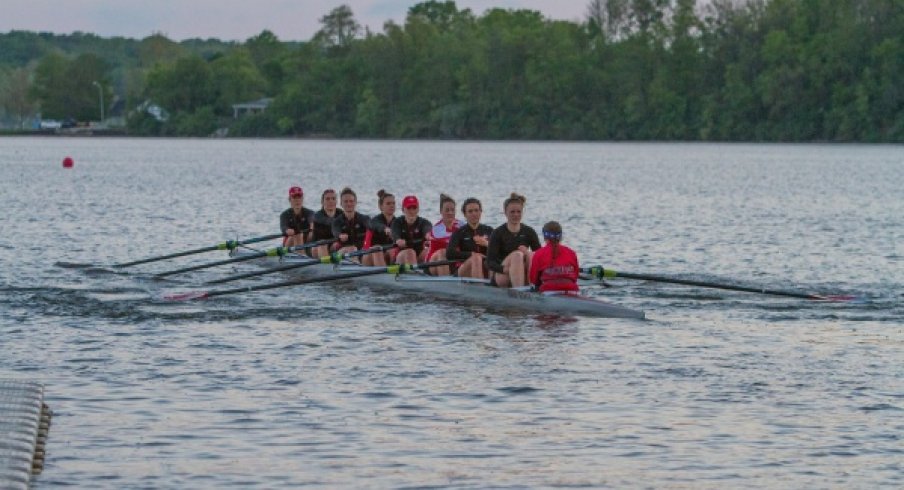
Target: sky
{"type": "Point", "coordinates": [290, 20]}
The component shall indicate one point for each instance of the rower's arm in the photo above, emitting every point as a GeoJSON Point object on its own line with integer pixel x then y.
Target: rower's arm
{"type": "Point", "coordinates": [453, 249]}
{"type": "Point", "coordinates": [338, 225]}
{"type": "Point", "coordinates": [284, 222]}
{"type": "Point", "coordinates": [494, 253]}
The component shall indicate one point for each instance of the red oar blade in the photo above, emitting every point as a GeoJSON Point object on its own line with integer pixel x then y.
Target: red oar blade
{"type": "Point", "coordinates": [186, 296]}
{"type": "Point", "coordinates": [836, 298]}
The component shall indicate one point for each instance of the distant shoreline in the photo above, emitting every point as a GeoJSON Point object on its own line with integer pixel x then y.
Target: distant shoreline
{"type": "Point", "coordinates": [102, 133]}
{"type": "Point", "coordinates": [65, 132]}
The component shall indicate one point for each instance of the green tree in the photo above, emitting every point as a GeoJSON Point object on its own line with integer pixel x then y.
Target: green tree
{"type": "Point", "coordinates": [14, 97]}
{"type": "Point", "coordinates": [185, 86]}
{"type": "Point", "coordinates": [339, 28]}
{"type": "Point", "coordinates": [65, 88]}
{"type": "Point", "coordinates": [236, 79]}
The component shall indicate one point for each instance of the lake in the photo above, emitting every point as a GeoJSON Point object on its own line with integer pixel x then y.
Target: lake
{"type": "Point", "coordinates": [336, 386]}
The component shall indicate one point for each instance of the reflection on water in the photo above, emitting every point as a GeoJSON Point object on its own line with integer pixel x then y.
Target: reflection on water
{"type": "Point", "coordinates": [335, 386]}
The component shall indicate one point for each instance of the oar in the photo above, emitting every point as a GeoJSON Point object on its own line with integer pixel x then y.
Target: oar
{"type": "Point", "coordinates": [273, 252]}
{"type": "Point", "coordinates": [600, 273]}
{"type": "Point", "coordinates": [393, 269]}
{"type": "Point", "coordinates": [333, 258]}
{"type": "Point", "coordinates": [227, 245]}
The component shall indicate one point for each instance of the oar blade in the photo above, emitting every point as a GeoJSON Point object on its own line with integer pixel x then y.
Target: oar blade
{"type": "Point", "coordinates": [186, 296]}
{"type": "Point", "coordinates": [838, 298]}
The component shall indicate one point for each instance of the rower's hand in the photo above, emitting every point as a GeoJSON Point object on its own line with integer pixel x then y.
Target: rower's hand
{"type": "Point", "coordinates": [290, 232]}
{"type": "Point", "coordinates": [481, 240]}
{"type": "Point", "coordinates": [388, 231]}
{"type": "Point", "coordinates": [401, 243]}
{"type": "Point", "coordinates": [523, 249]}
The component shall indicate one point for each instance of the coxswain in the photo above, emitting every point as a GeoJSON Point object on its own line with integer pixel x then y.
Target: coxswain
{"type": "Point", "coordinates": [555, 266]}
{"type": "Point", "coordinates": [349, 226]}
{"type": "Point", "coordinates": [438, 238]}
{"type": "Point", "coordinates": [469, 243]}
{"type": "Point", "coordinates": [511, 246]}
{"type": "Point", "coordinates": [297, 222]}
{"type": "Point", "coordinates": [323, 222]}
{"type": "Point", "coordinates": [379, 230]}
{"type": "Point", "coordinates": [408, 232]}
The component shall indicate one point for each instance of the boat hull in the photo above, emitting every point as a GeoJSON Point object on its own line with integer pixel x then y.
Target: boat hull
{"type": "Point", "coordinates": [466, 291]}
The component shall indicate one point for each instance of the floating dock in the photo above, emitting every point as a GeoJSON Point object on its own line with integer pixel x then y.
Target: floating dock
{"type": "Point", "coordinates": [24, 424]}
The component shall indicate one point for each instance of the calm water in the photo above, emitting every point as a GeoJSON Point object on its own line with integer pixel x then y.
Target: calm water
{"type": "Point", "coordinates": [330, 386]}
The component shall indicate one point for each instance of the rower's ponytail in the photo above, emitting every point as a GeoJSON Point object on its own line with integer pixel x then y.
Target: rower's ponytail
{"type": "Point", "coordinates": [552, 232]}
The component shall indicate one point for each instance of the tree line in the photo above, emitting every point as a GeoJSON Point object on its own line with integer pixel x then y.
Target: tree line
{"type": "Point", "coordinates": [722, 70]}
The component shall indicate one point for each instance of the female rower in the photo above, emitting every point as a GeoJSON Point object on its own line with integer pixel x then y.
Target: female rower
{"type": "Point", "coordinates": [296, 222]}
{"type": "Point", "coordinates": [379, 230]}
{"type": "Point", "coordinates": [409, 232]}
{"type": "Point", "coordinates": [555, 266]}
{"type": "Point", "coordinates": [349, 226]}
{"type": "Point", "coordinates": [438, 238]}
{"type": "Point", "coordinates": [511, 245]}
{"type": "Point", "coordinates": [469, 243]}
{"type": "Point", "coordinates": [323, 222]}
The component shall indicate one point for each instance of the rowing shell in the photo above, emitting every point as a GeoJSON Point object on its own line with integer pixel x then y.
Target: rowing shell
{"type": "Point", "coordinates": [466, 290]}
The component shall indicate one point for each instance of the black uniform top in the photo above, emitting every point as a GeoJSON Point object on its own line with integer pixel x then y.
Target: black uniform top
{"type": "Point", "coordinates": [301, 222]}
{"type": "Point", "coordinates": [413, 234]}
{"type": "Point", "coordinates": [355, 228]}
{"type": "Point", "coordinates": [377, 225]}
{"type": "Point", "coordinates": [461, 243]}
{"type": "Point", "coordinates": [504, 242]}
{"type": "Point", "coordinates": [323, 225]}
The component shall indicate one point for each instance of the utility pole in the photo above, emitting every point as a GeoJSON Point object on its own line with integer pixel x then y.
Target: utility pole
{"type": "Point", "coordinates": [100, 93]}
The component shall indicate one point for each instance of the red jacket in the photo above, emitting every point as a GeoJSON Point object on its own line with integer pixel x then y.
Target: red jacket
{"type": "Point", "coordinates": [439, 236]}
{"type": "Point", "coordinates": [560, 274]}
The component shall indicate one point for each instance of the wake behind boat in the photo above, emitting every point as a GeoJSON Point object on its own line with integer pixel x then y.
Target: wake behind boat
{"type": "Point", "coordinates": [465, 290]}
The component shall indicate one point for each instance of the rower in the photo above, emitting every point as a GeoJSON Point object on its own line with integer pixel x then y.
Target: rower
{"type": "Point", "coordinates": [349, 226]}
{"type": "Point", "coordinates": [379, 230]}
{"type": "Point", "coordinates": [438, 238]}
{"type": "Point", "coordinates": [555, 266]}
{"type": "Point", "coordinates": [511, 246]}
{"type": "Point", "coordinates": [323, 222]}
{"type": "Point", "coordinates": [408, 232]}
{"type": "Point", "coordinates": [469, 243]}
{"type": "Point", "coordinates": [297, 222]}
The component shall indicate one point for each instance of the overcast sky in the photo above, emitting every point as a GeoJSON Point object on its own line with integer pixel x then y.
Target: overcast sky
{"type": "Point", "coordinates": [290, 20]}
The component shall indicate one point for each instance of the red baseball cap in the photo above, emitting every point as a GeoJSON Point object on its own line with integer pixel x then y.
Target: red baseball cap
{"type": "Point", "coordinates": [295, 191]}
{"type": "Point", "coordinates": [409, 202]}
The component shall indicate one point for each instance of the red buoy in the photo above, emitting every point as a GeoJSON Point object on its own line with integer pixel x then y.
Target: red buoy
{"type": "Point", "coordinates": [68, 162]}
